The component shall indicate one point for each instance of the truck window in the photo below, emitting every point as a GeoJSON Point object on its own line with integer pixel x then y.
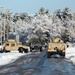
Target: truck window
{"type": "Point", "coordinates": [7, 44]}
{"type": "Point", "coordinates": [12, 45]}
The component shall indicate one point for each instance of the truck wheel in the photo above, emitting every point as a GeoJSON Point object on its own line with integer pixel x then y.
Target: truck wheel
{"type": "Point", "coordinates": [1, 51]}
{"type": "Point", "coordinates": [63, 54]}
{"type": "Point", "coordinates": [30, 49]}
{"type": "Point", "coordinates": [26, 50]}
{"type": "Point", "coordinates": [4, 50]}
{"type": "Point", "coordinates": [49, 55]}
{"type": "Point", "coordinates": [20, 50]}
{"type": "Point", "coordinates": [40, 49]}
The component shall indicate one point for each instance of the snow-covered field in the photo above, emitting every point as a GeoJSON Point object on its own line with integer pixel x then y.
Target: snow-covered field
{"type": "Point", "coordinates": [6, 58]}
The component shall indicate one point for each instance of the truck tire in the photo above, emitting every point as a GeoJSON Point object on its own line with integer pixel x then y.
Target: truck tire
{"type": "Point", "coordinates": [63, 54]}
{"type": "Point", "coordinates": [20, 50]}
{"type": "Point", "coordinates": [1, 51]}
{"type": "Point", "coordinates": [48, 55]}
{"type": "Point", "coordinates": [40, 49]}
{"type": "Point", "coordinates": [30, 49]}
{"type": "Point", "coordinates": [26, 50]}
{"type": "Point", "coordinates": [4, 50]}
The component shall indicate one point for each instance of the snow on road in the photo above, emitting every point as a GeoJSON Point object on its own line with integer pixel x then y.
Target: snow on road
{"type": "Point", "coordinates": [37, 63]}
{"type": "Point", "coordinates": [57, 67]}
{"type": "Point", "coordinates": [6, 58]}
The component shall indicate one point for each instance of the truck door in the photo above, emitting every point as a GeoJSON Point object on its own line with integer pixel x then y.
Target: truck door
{"type": "Point", "coordinates": [13, 47]}
{"type": "Point", "coordinates": [7, 46]}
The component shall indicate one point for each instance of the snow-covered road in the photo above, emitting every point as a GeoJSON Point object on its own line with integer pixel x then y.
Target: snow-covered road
{"type": "Point", "coordinates": [37, 63]}
{"type": "Point", "coordinates": [6, 58]}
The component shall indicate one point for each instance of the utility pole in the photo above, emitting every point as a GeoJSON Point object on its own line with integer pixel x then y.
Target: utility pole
{"type": "Point", "coordinates": [7, 24]}
{"type": "Point", "coordinates": [1, 31]}
{"type": "Point", "coordinates": [4, 26]}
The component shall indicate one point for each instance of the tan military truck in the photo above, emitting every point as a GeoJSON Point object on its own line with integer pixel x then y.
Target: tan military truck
{"type": "Point", "coordinates": [13, 45]}
{"type": "Point", "coordinates": [57, 46]}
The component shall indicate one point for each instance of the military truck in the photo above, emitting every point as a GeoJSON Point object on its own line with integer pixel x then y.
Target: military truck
{"type": "Point", "coordinates": [57, 46]}
{"type": "Point", "coordinates": [35, 45]}
{"type": "Point", "coordinates": [13, 45]}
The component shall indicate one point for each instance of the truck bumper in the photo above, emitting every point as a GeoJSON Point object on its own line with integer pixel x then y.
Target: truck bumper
{"type": "Point", "coordinates": [52, 53]}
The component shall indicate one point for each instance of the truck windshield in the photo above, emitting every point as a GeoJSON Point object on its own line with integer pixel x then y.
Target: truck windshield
{"type": "Point", "coordinates": [35, 42]}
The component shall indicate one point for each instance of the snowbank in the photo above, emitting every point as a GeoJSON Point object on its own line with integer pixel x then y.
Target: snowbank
{"type": "Point", "coordinates": [6, 58]}
{"type": "Point", "coordinates": [70, 54]}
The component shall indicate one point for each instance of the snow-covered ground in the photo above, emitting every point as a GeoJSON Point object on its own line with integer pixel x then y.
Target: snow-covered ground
{"type": "Point", "coordinates": [37, 63]}
{"type": "Point", "coordinates": [6, 58]}
{"type": "Point", "coordinates": [70, 54]}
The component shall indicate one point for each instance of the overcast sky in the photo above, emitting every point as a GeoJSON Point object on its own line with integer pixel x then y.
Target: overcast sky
{"type": "Point", "coordinates": [32, 6]}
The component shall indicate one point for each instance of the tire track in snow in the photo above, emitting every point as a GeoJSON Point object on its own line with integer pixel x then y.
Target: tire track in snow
{"type": "Point", "coordinates": [42, 59]}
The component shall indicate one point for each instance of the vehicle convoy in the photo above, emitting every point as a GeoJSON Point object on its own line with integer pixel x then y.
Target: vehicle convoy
{"type": "Point", "coordinates": [13, 45]}
{"type": "Point", "coordinates": [57, 46]}
{"type": "Point", "coordinates": [35, 45]}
